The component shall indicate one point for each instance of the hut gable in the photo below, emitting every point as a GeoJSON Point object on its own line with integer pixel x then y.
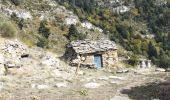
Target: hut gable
{"type": "Point", "coordinates": [97, 54]}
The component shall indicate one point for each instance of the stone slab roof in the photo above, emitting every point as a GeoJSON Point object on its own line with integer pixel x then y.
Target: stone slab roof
{"type": "Point", "coordinates": [88, 46]}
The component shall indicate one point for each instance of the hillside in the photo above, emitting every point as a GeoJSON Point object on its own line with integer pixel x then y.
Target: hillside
{"type": "Point", "coordinates": [140, 26]}
{"type": "Point", "coordinates": [42, 76]}
{"type": "Point", "coordinates": [34, 35]}
{"type": "Point", "coordinates": [32, 18]}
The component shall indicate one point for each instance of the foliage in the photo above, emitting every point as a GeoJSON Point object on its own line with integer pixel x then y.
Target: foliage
{"type": "Point", "coordinates": [7, 29]}
{"type": "Point", "coordinates": [123, 31]}
{"type": "Point", "coordinates": [42, 42]}
{"type": "Point", "coordinates": [21, 24]}
{"type": "Point", "coordinates": [43, 30]}
{"type": "Point", "coordinates": [73, 34]}
{"type": "Point", "coordinates": [164, 60]}
{"type": "Point", "coordinates": [86, 5]}
{"type": "Point", "coordinates": [133, 60]}
{"type": "Point", "coordinates": [126, 29]}
{"type": "Point", "coordinates": [14, 17]}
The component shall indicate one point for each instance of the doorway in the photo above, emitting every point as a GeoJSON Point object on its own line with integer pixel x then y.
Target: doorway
{"type": "Point", "coordinates": [98, 61]}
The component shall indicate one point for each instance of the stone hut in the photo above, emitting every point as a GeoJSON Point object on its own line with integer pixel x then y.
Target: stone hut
{"type": "Point", "coordinates": [97, 54]}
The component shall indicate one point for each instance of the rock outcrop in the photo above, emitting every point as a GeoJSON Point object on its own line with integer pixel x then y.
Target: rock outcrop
{"type": "Point", "coordinates": [14, 54]}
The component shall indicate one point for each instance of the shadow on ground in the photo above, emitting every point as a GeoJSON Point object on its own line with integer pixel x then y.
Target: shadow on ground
{"type": "Point", "coordinates": [150, 91]}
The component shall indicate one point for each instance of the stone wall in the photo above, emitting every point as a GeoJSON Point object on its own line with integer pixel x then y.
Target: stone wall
{"type": "Point", "coordinates": [109, 58]}
{"type": "Point", "coordinates": [88, 59]}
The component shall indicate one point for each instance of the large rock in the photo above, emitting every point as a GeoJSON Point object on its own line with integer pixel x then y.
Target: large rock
{"type": "Point", "coordinates": [61, 84]}
{"type": "Point", "coordinates": [116, 77]}
{"type": "Point", "coordinates": [104, 78]}
{"type": "Point", "coordinates": [80, 72]}
{"type": "Point", "coordinates": [160, 69]}
{"type": "Point", "coordinates": [122, 71]}
{"type": "Point", "coordinates": [92, 85]}
{"type": "Point", "coordinates": [42, 86]}
{"type": "Point", "coordinates": [119, 98]}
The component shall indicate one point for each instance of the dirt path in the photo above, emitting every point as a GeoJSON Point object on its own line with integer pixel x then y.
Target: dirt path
{"type": "Point", "coordinates": [91, 85]}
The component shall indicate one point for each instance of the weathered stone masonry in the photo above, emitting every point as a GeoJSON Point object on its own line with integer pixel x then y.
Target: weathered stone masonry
{"type": "Point", "coordinates": [84, 51]}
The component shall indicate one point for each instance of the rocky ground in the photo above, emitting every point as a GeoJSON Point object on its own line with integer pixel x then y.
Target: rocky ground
{"type": "Point", "coordinates": [42, 76]}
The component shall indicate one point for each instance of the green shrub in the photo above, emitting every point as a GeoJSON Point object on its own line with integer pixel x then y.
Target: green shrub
{"type": "Point", "coordinates": [14, 17]}
{"type": "Point", "coordinates": [133, 60]}
{"type": "Point", "coordinates": [43, 30]}
{"type": "Point", "coordinates": [7, 29]}
{"type": "Point", "coordinates": [42, 42]}
{"type": "Point", "coordinates": [74, 34]}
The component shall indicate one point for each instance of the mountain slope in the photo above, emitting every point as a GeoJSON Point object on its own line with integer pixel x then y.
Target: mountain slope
{"type": "Point", "coordinates": [140, 26]}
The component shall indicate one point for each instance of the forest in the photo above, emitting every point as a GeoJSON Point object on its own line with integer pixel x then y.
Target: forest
{"type": "Point", "coordinates": [146, 18]}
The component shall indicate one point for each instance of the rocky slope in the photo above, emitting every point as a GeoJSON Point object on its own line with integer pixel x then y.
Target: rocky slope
{"type": "Point", "coordinates": [58, 18]}
{"type": "Point", "coordinates": [36, 74]}
{"type": "Point", "coordinates": [16, 55]}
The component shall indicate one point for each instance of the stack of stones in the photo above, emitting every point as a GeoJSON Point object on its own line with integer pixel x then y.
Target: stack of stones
{"type": "Point", "coordinates": [11, 53]}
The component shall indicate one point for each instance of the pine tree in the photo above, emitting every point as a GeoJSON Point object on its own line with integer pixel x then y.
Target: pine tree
{"type": "Point", "coordinates": [152, 52]}
{"type": "Point", "coordinates": [73, 34]}
{"type": "Point", "coordinates": [43, 30]}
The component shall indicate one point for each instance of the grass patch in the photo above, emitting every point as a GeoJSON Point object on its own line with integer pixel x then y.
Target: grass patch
{"type": "Point", "coordinates": [83, 92]}
{"type": "Point", "coordinates": [8, 29]}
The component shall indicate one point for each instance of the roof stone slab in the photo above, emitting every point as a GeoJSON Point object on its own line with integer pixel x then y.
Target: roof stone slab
{"type": "Point", "coordinates": [88, 46]}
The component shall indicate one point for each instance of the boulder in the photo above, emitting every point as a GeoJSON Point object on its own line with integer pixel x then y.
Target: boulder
{"type": "Point", "coordinates": [160, 69]}
{"type": "Point", "coordinates": [122, 71]}
{"type": "Point", "coordinates": [92, 85]}
{"type": "Point", "coordinates": [116, 77]}
{"type": "Point", "coordinates": [80, 72]}
{"type": "Point", "coordinates": [104, 78]}
{"type": "Point", "coordinates": [119, 98]}
{"type": "Point", "coordinates": [33, 85]}
{"type": "Point", "coordinates": [42, 86]}
{"type": "Point", "coordinates": [61, 84]}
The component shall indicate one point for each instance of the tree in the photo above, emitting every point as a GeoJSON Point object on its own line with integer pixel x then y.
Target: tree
{"type": "Point", "coordinates": [164, 60]}
{"type": "Point", "coordinates": [73, 34]}
{"type": "Point", "coordinates": [152, 52]}
{"type": "Point", "coordinates": [43, 30]}
{"type": "Point", "coordinates": [42, 42]}
{"type": "Point", "coordinates": [21, 24]}
{"type": "Point", "coordinates": [72, 30]}
{"type": "Point", "coordinates": [123, 31]}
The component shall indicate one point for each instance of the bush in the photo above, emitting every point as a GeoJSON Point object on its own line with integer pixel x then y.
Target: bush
{"type": "Point", "coordinates": [43, 30]}
{"type": "Point", "coordinates": [42, 42]}
{"type": "Point", "coordinates": [74, 34]}
{"type": "Point", "coordinates": [133, 60]}
{"type": "Point", "coordinates": [7, 29]}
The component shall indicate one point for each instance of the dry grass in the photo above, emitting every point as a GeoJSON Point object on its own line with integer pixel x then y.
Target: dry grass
{"type": "Point", "coordinates": [5, 79]}
{"type": "Point", "coordinates": [8, 29]}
